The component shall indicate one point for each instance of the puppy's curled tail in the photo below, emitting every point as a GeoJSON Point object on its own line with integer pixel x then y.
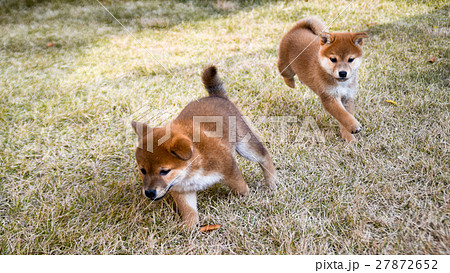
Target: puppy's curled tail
{"type": "Point", "coordinates": [213, 83]}
{"type": "Point", "coordinates": [312, 23]}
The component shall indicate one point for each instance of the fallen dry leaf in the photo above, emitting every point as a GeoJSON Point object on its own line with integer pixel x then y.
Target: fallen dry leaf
{"type": "Point", "coordinates": [391, 102]}
{"type": "Point", "coordinates": [432, 59]}
{"type": "Point", "coordinates": [209, 228]}
{"type": "Point", "coordinates": [50, 44]}
{"type": "Point", "coordinates": [372, 24]}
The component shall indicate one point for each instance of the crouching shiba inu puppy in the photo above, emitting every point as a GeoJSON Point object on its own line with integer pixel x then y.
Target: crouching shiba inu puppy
{"type": "Point", "coordinates": [327, 63]}
{"type": "Point", "coordinates": [197, 150]}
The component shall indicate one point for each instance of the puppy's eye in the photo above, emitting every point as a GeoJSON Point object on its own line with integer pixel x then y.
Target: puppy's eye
{"type": "Point", "coordinates": [143, 171]}
{"type": "Point", "coordinates": [351, 60]}
{"type": "Point", "coordinates": [333, 60]}
{"type": "Point", "coordinates": [164, 172]}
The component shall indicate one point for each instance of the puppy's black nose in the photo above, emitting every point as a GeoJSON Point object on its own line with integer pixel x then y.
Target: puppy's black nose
{"type": "Point", "coordinates": [342, 74]}
{"type": "Point", "coordinates": [150, 194]}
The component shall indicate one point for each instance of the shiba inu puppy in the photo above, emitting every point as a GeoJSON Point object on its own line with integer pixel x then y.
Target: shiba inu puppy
{"type": "Point", "coordinates": [197, 150]}
{"type": "Point", "coordinates": [328, 64]}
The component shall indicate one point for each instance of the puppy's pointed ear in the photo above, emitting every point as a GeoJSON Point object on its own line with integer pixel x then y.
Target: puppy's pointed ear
{"type": "Point", "coordinates": [181, 147]}
{"type": "Point", "coordinates": [326, 38]}
{"type": "Point", "coordinates": [139, 128]}
{"type": "Point", "coordinates": [358, 37]}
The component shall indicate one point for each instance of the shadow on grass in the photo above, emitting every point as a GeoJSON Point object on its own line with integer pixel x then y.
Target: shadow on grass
{"type": "Point", "coordinates": [411, 43]}
{"type": "Point", "coordinates": [40, 20]}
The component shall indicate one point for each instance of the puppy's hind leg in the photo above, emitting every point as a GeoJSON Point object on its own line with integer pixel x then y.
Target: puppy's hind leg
{"type": "Point", "coordinates": [235, 181]}
{"type": "Point", "coordinates": [255, 151]}
{"type": "Point", "coordinates": [286, 71]}
{"type": "Point", "coordinates": [289, 82]}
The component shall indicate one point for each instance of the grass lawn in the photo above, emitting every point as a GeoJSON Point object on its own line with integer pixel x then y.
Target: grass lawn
{"type": "Point", "coordinates": [69, 180]}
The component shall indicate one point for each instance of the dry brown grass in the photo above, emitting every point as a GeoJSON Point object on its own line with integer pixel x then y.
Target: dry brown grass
{"type": "Point", "coordinates": [69, 182]}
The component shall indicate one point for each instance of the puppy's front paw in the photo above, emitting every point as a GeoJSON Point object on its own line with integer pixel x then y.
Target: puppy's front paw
{"type": "Point", "coordinates": [356, 128]}
{"type": "Point", "coordinates": [190, 222]}
{"type": "Point", "coordinates": [348, 137]}
{"type": "Point", "coordinates": [272, 182]}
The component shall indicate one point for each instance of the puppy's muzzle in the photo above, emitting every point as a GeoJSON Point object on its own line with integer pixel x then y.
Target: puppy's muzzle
{"type": "Point", "coordinates": [154, 194]}
{"type": "Point", "coordinates": [342, 76]}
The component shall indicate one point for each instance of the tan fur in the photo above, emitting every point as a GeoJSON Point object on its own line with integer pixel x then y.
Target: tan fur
{"type": "Point", "coordinates": [196, 165]}
{"type": "Point", "coordinates": [306, 50]}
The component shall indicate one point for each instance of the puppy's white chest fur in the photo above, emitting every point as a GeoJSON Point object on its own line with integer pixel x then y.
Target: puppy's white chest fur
{"type": "Point", "coordinates": [197, 181]}
{"type": "Point", "coordinates": [344, 90]}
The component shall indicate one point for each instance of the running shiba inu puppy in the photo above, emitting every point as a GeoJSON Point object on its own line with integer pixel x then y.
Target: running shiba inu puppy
{"type": "Point", "coordinates": [197, 150]}
{"type": "Point", "coordinates": [328, 64]}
